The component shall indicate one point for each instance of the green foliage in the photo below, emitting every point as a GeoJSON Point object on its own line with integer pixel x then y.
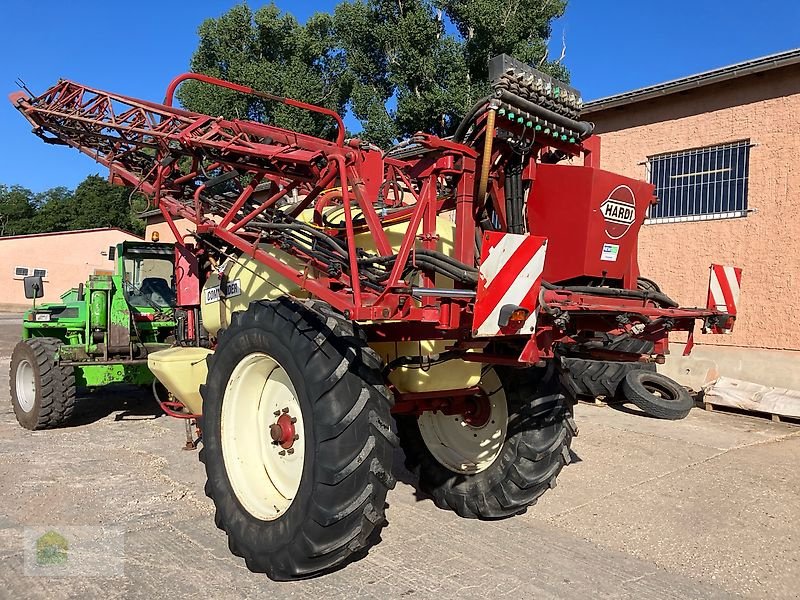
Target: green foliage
{"type": "Point", "coordinates": [392, 62]}
{"type": "Point", "coordinates": [17, 208]}
{"type": "Point", "coordinates": [94, 203]}
{"type": "Point", "coordinates": [270, 52]}
{"type": "Point", "coordinates": [518, 28]}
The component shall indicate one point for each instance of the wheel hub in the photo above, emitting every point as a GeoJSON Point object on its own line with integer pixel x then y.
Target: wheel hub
{"type": "Point", "coordinates": [283, 432]}
{"type": "Point", "coordinates": [477, 410]}
{"type": "Point", "coordinates": [471, 441]}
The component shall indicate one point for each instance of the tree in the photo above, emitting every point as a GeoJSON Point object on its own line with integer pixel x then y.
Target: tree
{"type": "Point", "coordinates": [54, 210]}
{"type": "Point", "coordinates": [94, 203]}
{"type": "Point", "coordinates": [394, 63]}
{"type": "Point", "coordinates": [270, 52]}
{"type": "Point", "coordinates": [17, 209]}
{"type": "Point", "coordinates": [521, 29]}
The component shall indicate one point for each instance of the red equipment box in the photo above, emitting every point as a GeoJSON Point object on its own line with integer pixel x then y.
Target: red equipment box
{"type": "Point", "coordinates": [591, 219]}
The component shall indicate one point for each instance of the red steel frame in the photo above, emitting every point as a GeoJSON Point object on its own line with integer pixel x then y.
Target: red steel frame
{"type": "Point", "coordinates": [148, 146]}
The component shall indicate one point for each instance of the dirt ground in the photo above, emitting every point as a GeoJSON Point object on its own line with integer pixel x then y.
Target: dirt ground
{"type": "Point", "coordinates": [708, 507]}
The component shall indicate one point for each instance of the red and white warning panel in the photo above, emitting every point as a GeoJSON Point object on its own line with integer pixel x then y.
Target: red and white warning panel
{"type": "Point", "coordinates": [510, 277]}
{"type": "Point", "coordinates": [723, 294]}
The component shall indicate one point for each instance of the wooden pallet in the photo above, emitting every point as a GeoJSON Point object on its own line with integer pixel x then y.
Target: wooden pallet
{"type": "Point", "coordinates": [749, 413]}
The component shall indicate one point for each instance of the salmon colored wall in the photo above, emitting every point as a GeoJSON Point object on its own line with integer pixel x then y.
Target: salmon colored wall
{"type": "Point", "coordinates": [766, 243]}
{"type": "Point", "coordinates": [69, 258]}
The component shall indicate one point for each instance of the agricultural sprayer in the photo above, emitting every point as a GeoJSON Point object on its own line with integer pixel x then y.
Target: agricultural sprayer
{"type": "Point", "coordinates": [461, 287]}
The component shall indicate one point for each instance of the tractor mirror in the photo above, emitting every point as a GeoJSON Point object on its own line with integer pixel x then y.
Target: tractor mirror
{"type": "Point", "coordinates": [34, 287]}
{"type": "Point", "coordinates": [112, 253]}
{"type": "Point", "coordinates": [81, 293]}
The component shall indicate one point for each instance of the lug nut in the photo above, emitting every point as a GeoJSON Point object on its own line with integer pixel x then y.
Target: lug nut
{"type": "Point", "coordinates": [293, 420]}
{"type": "Point", "coordinates": [296, 437]}
{"type": "Point", "coordinates": [286, 410]}
{"type": "Point", "coordinates": [277, 413]}
{"type": "Point", "coordinates": [282, 452]}
{"type": "Point", "coordinates": [290, 451]}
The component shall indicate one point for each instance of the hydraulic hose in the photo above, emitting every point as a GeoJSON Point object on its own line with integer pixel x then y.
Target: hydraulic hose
{"type": "Point", "coordinates": [582, 128]}
{"type": "Point", "coordinates": [659, 297]}
{"type": "Point", "coordinates": [470, 117]}
{"type": "Point", "coordinates": [486, 159]}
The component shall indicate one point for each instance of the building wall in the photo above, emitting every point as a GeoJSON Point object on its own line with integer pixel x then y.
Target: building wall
{"type": "Point", "coordinates": [69, 258]}
{"type": "Point", "coordinates": [765, 243]}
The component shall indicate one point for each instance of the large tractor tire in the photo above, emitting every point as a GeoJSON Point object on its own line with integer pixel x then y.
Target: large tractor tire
{"type": "Point", "coordinates": [499, 460]}
{"type": "Point", "coordinates": [592, 378]}
{"type": "Point", "coordinates": [647, 285]}
{"type": "Point", "coordinates": [42, 392]}
{"type": "Point", "coordinates": [595, 378]}
{"type": "Point", "coordinates": [297, 440]}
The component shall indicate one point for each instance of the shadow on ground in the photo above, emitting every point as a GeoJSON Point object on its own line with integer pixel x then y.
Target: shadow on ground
{"type": "Point", "coordinates": [132, 403]}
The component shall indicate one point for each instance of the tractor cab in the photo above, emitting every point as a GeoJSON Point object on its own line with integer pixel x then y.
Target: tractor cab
{"type": "Point", "coordinates": [146, 271]}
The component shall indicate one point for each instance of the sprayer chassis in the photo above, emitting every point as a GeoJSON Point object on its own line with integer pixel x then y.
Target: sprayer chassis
{"type": "Point", "coordinates": [441, 177]}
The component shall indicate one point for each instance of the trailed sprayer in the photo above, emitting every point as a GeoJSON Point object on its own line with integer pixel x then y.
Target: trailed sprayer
{"type": "Point", "coordinates": [463, 287]}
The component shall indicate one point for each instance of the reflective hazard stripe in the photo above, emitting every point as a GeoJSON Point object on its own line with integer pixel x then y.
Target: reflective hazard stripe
{"type": "Point", "coordinates": [724, 284]}
{"type": "Point", "coordinates": [510, 274]}
{"type": "Point", "coordinates": [724, 288]}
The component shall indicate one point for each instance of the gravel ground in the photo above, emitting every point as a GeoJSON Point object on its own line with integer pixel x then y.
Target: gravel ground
{"type": "Point", "coordinates": [707, 507]}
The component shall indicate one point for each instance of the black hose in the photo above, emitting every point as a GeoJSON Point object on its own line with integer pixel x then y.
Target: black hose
{"type": "Point", "coordinates": [661, 298]}
{"type": "Point", "coordinates": [422, 252]}
{"type": "Point", "coordinates": [582, 128]}
{"type": "Point", "coordinates": [519, 200]}
{"type": "Point", "coordinates": [301, 227]}
{"type": "Point", "coordinates": [470, 118]}
{"type": "Point", "coordinates": [511, 217]}
{"type": "Point", "coordinates": [448, 259]}
{"type": "Point", "coordinates": [435, 261]}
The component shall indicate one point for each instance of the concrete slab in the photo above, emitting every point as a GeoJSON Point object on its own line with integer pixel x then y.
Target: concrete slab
{"type": "Point", "coordinates": [765, 366]}
{"type": "Point", "coordinates": [653, 509]}
{"type": "Point", "coordinates": [719, 431]}
{"type": "Point", "coordinates": [730, 518]}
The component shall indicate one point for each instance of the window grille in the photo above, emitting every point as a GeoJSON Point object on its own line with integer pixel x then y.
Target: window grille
{"type": "Point", "coordinates": [700, 184]}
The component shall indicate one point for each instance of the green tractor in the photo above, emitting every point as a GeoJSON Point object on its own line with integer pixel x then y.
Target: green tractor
{"type": "Point", "coordinates": [99, 333]}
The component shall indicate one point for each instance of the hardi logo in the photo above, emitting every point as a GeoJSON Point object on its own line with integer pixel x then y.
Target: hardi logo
{"type": "Point", "coordinates": [619, 211]}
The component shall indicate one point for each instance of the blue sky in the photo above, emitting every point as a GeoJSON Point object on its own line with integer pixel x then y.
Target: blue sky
{"type": "Point", "coordinates": [135, 48]}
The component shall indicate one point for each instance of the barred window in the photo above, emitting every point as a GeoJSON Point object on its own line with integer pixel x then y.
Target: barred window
{"type": "Point", "coordinates": [700, 184]}
{"type": "Point", "coordinates": [21, 272]}
{"type": "Point", "coordinates": [40, 273]}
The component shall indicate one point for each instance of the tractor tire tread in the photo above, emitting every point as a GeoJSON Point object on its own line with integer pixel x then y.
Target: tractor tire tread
{"type": "Point", "coordinates": [349, 401]}
{"type": "Point", "coordinates": [56, 391]}
{"type": "Point", "coordinates": [595, 378]}
{"type": "Point", "coordinates": [530, 459]}
{"type": "Point", "coordinates": [634, 391]}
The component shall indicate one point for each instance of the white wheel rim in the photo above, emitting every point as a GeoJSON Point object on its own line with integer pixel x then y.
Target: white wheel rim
{"type": "Point", "coordinates": [26, 385]}
{"type": "Point", "coordinates": [265, 476]}
{"type": "Point", "coordinates": [464, 448]}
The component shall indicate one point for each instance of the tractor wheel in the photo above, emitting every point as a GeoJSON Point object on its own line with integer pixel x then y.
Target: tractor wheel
{"type": "Point", "coordinates": [657, 395]}
{"type": "Point", "coordinates": [296, 439]}
{"type": "Point", "coordinates": [42, 393]}
{"type": "Point", "coordinates": [498, 460]}
{"type": "Point", "coordinates": [647, 285]}
{"type": "Point", "coordinates": [593, 378]}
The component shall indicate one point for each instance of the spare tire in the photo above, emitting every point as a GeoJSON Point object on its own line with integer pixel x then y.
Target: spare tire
{"type": "Point", "coordinates": [657, 395]}
{"type": "Point", "coordinates": [647, 285]}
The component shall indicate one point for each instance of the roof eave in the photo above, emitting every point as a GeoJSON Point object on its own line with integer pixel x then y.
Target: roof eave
{"type": "Point", "coordinates": [743, 69]}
